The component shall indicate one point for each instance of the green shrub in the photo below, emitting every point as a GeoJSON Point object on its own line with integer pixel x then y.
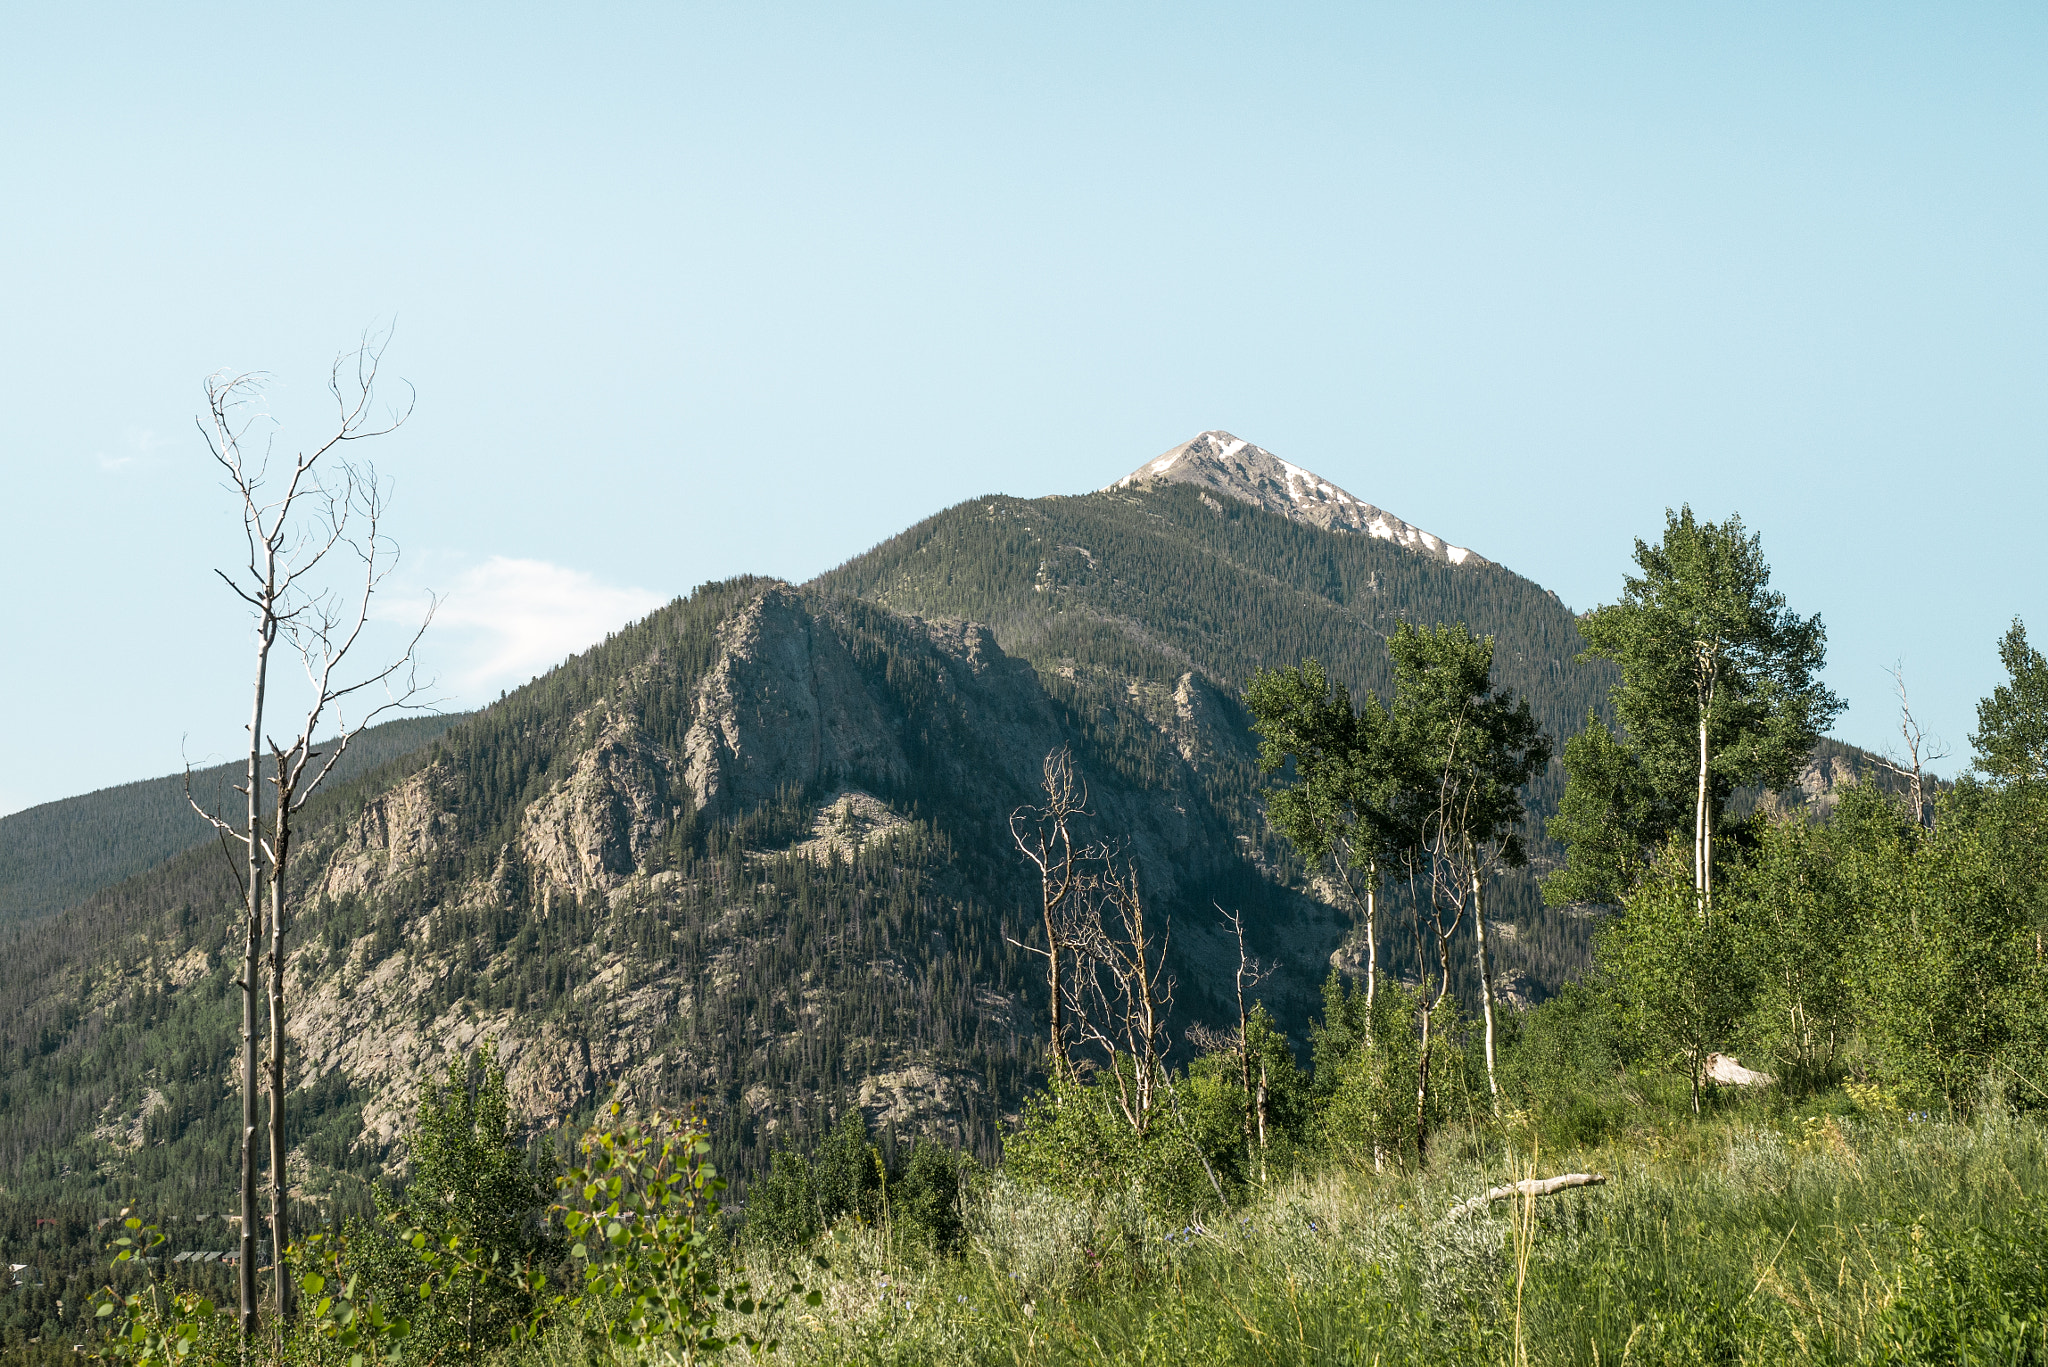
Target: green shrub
{"type": "Point", "coordinates": [924, 1200]}
{"type": "Point", "coordinates": [782, 1207]}
{"type": "Point", "coordinates": [1074, 1140]}
{"type": "Point", "coordinates": [846, 1179]}
{"type": "Point", "coordinates": [468, 1181]}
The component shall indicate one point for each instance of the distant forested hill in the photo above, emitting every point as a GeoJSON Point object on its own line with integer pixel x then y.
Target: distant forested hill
{"type": "Point", "coordinates": [62, 852]}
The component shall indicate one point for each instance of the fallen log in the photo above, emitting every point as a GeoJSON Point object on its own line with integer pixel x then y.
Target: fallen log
{"type": "Point", "coordinates": [1528, 1186]}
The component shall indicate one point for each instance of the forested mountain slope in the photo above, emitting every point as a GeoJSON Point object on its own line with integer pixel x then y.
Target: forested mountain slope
{"type": "Point", "coordinates": [752, 853]}
{"type": "Point", "coordinates": [62, 852]}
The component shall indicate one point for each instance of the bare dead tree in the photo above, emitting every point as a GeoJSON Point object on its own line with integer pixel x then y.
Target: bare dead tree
{"type": "Point", "coordinates": [1250, 973]}
{"type": "Point", "coordinates": [1106, 975]}
{"type": "Point", "coordinates": [1119, 993]}
{"type": "Point", "coordinates": [290, 534]}
{"type": "Point", "coordinates": [1044, 835]}
{"type": "Point", "coordinates": [1921, 750]}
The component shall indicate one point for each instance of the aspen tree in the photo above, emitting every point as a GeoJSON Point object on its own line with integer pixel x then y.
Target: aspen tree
{"type": "Point", "coordinates": [1472, 748]}
{"type": "Point", "coordinates": [1719, 681]}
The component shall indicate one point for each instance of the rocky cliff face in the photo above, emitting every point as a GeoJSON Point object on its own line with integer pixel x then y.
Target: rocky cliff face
{"type": "Point", "coordinates": [783, 705]}
{"type": "Point", "coordinates": [752, 852]}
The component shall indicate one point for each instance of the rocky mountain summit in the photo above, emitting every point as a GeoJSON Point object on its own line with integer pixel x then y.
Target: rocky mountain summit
{"type": "Point", "coordinates": [1231, 466]}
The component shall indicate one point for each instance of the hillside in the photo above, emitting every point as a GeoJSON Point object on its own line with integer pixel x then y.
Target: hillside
{"type": "Point", "coordinates": [62, 852]}
{"type": "Point", "coordinates": [741, 853]}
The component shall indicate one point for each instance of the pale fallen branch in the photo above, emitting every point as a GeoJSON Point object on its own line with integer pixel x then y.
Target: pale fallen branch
{"type": "Point", "coordinates": [1529, 1186]}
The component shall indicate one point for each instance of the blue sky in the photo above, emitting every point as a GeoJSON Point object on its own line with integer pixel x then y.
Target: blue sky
{"type": "Point", "coordinates": [688, 291]}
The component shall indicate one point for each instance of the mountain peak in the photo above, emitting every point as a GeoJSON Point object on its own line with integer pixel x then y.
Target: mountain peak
{"type": "Point", "coordinates": [1232, 466]}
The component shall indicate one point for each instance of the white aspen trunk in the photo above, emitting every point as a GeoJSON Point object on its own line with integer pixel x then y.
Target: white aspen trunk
{"type": "Point", "coordinates": [1485, 989]}
{"type": "Point", "coordinates": [1700, 869]}
{"type": "Point", "coordinates": [1443, 959]}
{"type": "Point", "coordinates": [1422, 1089]}
{"type": "Point", "coordinates": [279, 1233]}
{"type": "Point", "coordinates": [1372, 941]}
{"type": "Point", "coordinates": [1052, 976]}
{"type": "Point", "coordinates": [1262, 1122]}
{"type": "Point", "coordinates": [252, 964]}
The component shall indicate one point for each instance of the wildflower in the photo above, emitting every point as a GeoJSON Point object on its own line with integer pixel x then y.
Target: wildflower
{"type": "Point", "coordinates": [961, 1299]}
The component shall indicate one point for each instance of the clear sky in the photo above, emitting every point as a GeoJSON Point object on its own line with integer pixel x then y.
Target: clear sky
{"type": "Point", "coordinates": [693, 290]}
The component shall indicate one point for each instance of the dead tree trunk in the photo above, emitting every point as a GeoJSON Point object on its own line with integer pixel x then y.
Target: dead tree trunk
{"type": "Point", "coordinates": [287, 542]}
{"type": "Point", "coordinates": [1529, 1187]}
{"type": "Point", "coordinates": [1921, 750]}
{"type": "Point", "coordinates": [1044, 835]}
{"type": "Point", "coordinates": [1249, 974]}
{"type": "Point", "coordinates": [1485, 986]}
{"type": "Point", "coordinates": [279, 1226]}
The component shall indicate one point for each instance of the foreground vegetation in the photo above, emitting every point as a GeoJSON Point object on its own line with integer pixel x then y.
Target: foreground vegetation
{"type": "Point", "coordinates": [1752, 1237]}
{"type": "Point", "coordinates": [1841, 1228]}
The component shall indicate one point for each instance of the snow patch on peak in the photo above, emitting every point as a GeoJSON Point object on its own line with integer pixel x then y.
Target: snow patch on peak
{"type": "Point", "coordinates": [1222, 463]}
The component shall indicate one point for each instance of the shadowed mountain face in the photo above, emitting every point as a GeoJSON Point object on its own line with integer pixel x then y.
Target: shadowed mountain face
{"type": "Point", "coordinates": [753, 851]}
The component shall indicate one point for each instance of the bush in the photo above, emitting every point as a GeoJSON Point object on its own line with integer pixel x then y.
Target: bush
{"type": "Point", "coordinates": [924, 1201]}
{"type": "Point", "coordinates": [1561, 1064]}
{"type": "Point", "coordinates": [1969, 1296]}
{"type": "Point", "coordinates": [1075, 1141]}
{"type": "Point", "coordinates": [468, 1181]}
{"type": "Point", "coordinates": [801, 1198]}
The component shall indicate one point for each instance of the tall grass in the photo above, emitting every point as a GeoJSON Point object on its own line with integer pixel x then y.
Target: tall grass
{"type": "Point", "coordinates": [1828, 1239]}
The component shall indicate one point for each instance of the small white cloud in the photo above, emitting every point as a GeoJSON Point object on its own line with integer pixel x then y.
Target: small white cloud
{"type": "Point", "coordinates": [502, 622]}
{"type": "Point", "coordinates": [142, 444]}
